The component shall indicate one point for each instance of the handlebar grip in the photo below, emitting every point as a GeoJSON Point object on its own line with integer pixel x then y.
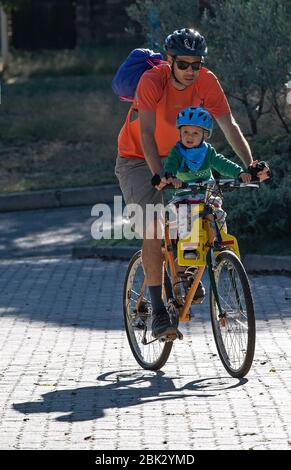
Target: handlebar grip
{"type": "Point", "coordinates": [260, 166]}
{"type": "Point", "coordinates": [156, 179]}
{"type": "Point", "coordinates": [254, 179]}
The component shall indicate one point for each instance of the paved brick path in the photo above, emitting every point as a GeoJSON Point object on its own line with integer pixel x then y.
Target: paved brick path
{"type": "Point", "coordinates": [69, 381]}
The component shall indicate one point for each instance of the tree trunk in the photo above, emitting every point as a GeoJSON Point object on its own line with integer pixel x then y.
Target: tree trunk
{"type": "Point", "coordinates": [4, 37]}
{"type": "Point", "coordinates": [284, 123]}
{"type": "Point", "coordinates": [253, 121]}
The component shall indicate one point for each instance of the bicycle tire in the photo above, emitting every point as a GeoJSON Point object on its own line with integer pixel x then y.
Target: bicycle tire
{"type": "Point", "coordinates": [238, 328]}
{"type": "Point", "coordinates": [142, 355]}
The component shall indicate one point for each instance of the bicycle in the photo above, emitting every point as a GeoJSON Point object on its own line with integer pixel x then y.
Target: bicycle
{"type": "Point", "coordinates": [231, 304]}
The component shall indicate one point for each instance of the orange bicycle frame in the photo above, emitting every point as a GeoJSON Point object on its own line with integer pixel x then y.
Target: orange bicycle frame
{"type": "Point", "coordinates": [184, 315]}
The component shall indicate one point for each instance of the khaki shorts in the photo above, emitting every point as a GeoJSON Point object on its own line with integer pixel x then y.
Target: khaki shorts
{"type": "Point", "coordinates": [134, 178]}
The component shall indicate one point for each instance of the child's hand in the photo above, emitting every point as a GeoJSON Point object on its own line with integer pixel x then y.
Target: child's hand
{"type": "Point", "coordinates": [245, 177]}
{"type": "Point", "coordinates": [170, 180]}
{"type": "Point", "coordinates": [177, 183]}
{"type": "Point", "coordinates": [165, 180]}
{"type": "Point", "coordinates": [160, 182]}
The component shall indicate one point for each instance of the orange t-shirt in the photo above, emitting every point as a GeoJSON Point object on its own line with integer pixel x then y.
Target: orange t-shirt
{"type": "Point", "coordinates": [155, 92]}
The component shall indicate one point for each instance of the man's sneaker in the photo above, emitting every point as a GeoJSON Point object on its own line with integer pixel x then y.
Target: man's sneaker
{"type": "Point", "coordinates": [199, 294]}
{"type": "Point", "coordinates": [161, 324]}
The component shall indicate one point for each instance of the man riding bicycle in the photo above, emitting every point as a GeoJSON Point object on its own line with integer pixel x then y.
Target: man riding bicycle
{"type": "Point", "coordinates": [150, 131]}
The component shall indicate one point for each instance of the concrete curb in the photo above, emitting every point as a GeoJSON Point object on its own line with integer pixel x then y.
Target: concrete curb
{"type": "Point", "coordinates": [63, 197]}
{"type": "Point", "coordinates": [121, 253]}
{"type": "Point", "coordinates": [252, 263]}
{"type": "Point", "coordinates": [267, 263]}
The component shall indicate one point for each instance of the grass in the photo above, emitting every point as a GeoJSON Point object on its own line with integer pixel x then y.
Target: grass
{"type": "Point", "coordinates": [60, 120]}
{"type": "Point", "coordinates": [68, 62]}
{"type": "Point", "coordinates": [74, 109]}
{"type": "Point", "coordinates": [59, 127]}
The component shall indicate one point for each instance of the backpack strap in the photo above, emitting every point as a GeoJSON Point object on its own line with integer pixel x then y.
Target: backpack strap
{"type": "Point", "coordinates": [125, 80]}
{"type": "Point", "coordinates": [163, 71]}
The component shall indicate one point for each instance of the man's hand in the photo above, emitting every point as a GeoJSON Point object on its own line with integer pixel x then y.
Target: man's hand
{"type": "Point", "coordinates": [169, 180]}
{"type": "Point", "coordinates": [264, 170]}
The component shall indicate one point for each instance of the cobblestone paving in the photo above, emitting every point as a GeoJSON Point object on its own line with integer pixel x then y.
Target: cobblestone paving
{"type": "Point", "coordinates": [69, 381]}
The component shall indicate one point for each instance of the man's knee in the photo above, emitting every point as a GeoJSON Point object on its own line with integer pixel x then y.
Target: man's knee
{"type": "Point", "coordinates": [153, 230]}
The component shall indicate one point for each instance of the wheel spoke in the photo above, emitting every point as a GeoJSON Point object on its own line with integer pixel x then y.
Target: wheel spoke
{"type": "Point", "coordinates": [233, 334]}
{"type": "Point", "coordinates": [147, 352]}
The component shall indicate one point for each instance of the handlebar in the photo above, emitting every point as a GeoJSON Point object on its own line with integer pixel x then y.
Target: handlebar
{"type": "Point", "coordinates": [227, 183]}
{"type": "Point", "coordinates": [253, 170]}
{"type": "Point", "coordinates": [223, 183]}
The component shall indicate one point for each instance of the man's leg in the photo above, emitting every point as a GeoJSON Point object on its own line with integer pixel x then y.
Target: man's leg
{"type": "Point", "coordinates": [153, 267]}
{"type": "Point", "coordinates": [152, 261]}
{"type": "Point", "coordinates": [134, 178]}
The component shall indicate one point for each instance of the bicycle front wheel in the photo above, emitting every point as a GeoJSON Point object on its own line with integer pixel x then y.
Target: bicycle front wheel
{"type": "Point", "coordinates": [234, 331]}
{"type": "Point", "coordinates": [150, 353]}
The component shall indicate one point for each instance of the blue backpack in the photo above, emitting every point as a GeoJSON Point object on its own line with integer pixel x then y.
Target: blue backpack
{"type": "Point", "coordinates": [125, 81]}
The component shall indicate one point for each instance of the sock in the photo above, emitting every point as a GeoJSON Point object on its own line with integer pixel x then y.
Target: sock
{"type": "Point", "coordinates": [156, 297]}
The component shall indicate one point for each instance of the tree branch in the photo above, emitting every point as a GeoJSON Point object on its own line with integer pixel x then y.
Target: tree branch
{"type": "Point", "coordinates": [237, 98]}
{"type": "Point", "coordinates": [277, 109]}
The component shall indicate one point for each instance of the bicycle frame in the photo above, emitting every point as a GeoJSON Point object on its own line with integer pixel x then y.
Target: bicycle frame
{"type": "Point", "coordinates": [184, 315]}
{"type": "Point", "coordinates": [209, 245]}
{"type": "Point", "coordinates": [169, 260]}
{"type": "Point", "coordinates": [167, 251]}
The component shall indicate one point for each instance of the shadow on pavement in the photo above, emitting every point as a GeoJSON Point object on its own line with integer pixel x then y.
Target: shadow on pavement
{"type": "Point", "coordinates": [88, 293]}
{"type": "Point", "coordinates": [123, 390]}
{"type": "Point", "coordinates": [44, 232]}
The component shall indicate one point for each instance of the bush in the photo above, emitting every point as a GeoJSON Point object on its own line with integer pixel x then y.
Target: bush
{"type": "Point", "coordinates": [263, 217]}
{"type": "Point", "coordinates": [248, 42]}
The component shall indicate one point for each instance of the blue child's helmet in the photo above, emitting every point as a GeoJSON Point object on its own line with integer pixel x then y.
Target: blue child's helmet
{"type": "Point", "coordinates": [192, 116]}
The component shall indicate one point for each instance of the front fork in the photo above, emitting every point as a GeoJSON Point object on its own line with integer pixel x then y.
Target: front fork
{"type": "Point", "coordinates": [211, 264]}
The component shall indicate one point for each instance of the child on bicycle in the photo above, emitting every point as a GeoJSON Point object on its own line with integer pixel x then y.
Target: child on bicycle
{"type": "Point", "coordinates": [192, 159]}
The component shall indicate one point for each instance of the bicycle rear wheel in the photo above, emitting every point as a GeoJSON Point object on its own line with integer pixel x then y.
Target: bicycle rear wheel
{"type": "Point", "coordinates": [235, 331]}
{"type": "Point", "coordinates": [151, 354]}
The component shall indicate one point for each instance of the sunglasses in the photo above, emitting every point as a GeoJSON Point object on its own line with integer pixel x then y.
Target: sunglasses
{"type": "Point", "coordinates": [182, 65]}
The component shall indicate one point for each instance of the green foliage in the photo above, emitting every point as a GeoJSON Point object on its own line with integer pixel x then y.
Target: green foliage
{"type": "Point", "coordinates": [158, 19]}
{"type": "Point", "coordinates": [249, 46]}
{"type": "Point", "coordinates": [260, 216]}
{"type": "Point", "coordinates": [10, 5]}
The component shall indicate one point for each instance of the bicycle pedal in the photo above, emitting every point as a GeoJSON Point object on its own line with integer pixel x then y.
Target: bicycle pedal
{"type": "Point", "coordinates": [180, 335]}
{"type": "Point", "coordinates": [168, 338]}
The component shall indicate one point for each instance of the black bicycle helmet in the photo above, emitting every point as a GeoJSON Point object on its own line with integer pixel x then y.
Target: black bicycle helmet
{"type": "Point", "coordinates": [185, 42]}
